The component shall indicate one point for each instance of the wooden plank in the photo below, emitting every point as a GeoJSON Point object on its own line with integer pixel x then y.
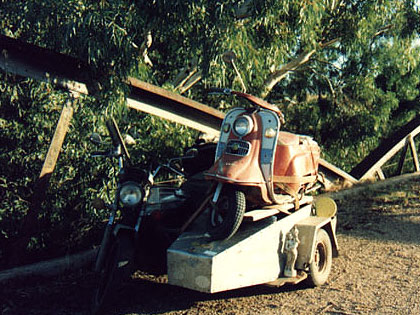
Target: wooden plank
{"type": "Point", "coordinates": [259, 214]}
{"type": "Point", "coordinates": [301, 275]}
{"type": "Point", "coordinates": [337, 172]}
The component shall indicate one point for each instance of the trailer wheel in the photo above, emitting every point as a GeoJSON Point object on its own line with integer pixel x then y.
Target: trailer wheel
{"type": "Point", "coordinates": [226, 216]}
{"type": "Point", "coordinates": [320, 267]}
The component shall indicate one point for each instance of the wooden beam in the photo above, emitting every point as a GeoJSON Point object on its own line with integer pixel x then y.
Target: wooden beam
{"type": "Point", "coordinates": [154, 100]}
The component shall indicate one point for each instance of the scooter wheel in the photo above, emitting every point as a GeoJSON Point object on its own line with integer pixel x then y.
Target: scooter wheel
{"type": "Point", "coordinates": [227, 214]}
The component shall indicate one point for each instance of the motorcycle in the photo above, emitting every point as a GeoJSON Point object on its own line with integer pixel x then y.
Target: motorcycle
{"type": "Point", "coordinates": [257, 166]}
{"type": "Point", "coordinates": [145, 217]}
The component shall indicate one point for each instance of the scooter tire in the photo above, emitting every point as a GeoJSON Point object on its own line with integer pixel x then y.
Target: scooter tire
{"type": "Point", "coordinates": [226, 216]}
{"type": "Point", "coordinates": [117, 268]}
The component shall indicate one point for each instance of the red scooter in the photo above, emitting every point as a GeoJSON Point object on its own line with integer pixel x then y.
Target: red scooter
{"type": "Point", "coordinates": [257, 166]}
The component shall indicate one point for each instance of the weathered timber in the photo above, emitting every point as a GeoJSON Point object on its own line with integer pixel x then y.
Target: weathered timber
{"type": "Point", "coordinates": [385, 151]}
{"type": "Point", "coordinates": [166, 104]}
{"type": "Point", "coordinates": [50, 267]}
{"type": "Point", "coordinates": [30, 221]}
{"type": "Point", "coordinates": [28, 60]}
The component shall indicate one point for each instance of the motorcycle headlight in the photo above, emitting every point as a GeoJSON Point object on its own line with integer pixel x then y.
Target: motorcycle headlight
{"type": "Point", "coordinates": [242, 126]}
{"type": "Point", "coordinates": [131, 194]}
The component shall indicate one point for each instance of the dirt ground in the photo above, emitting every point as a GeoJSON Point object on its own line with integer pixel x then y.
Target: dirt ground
{"type": "Point", "coordinates": [377, 272]}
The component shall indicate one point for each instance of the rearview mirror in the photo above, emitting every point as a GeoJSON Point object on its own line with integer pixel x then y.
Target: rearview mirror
{"type": "Point", "coordinates": [95, 138]}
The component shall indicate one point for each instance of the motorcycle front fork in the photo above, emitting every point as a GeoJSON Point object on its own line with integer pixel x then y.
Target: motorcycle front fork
{"type": "Point", "coordinates": [103, 249]}
{"type": "Point", "coordinates": [110, 229]}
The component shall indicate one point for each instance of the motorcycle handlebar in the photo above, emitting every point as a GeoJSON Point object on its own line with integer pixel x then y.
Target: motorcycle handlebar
{"type": "Point", "coordinates": [219, 91]}
{"type": "Point", "coordinates": [116, 137]}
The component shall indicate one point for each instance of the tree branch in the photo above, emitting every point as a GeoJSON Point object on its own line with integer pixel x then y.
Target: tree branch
{"type": "Point", "coordinates": [278, 75]}
{"type": "Point", "coordinates": [300, 60]}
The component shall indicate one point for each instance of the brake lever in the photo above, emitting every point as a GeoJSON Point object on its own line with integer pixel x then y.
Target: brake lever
{"type": "Point", "coordinates": [99, 153]}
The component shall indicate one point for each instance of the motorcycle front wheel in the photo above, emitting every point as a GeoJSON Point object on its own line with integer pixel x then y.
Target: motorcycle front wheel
{"type": "Point", "coordinates": [227, 214]}
{"type": "Point", "coordinates": [117, 268]}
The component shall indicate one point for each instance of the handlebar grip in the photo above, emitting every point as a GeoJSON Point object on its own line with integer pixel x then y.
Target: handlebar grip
{"type": "Point", "coordinates": [113, 132]}
{"type": "Point", "coordinates": [218, 91]}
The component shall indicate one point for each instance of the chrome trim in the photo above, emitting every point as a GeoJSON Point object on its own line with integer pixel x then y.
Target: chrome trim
{"type": "Point", "coordinates": [249, 127]}
{"type": "Point", "coordinates": [224, 136]}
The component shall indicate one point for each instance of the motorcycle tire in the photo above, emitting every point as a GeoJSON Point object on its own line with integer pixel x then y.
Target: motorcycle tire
{"type": "Point", "coordinates": [117, 268]}
{"type": "Point", "coordinates": [226, 216]}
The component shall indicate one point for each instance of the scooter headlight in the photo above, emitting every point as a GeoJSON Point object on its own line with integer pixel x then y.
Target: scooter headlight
{"type": "Point", "coordinates": [242, 126]}
{"type": "Point", "coordinates": [131, 194]}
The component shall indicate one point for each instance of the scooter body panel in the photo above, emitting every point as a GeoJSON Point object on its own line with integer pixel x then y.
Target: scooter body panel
{"type": "Point", "coordinates": [296, 157]}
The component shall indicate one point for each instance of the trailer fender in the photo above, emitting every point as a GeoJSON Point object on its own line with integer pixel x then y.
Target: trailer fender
{"type": "Point", "coordinates": [308, 229]}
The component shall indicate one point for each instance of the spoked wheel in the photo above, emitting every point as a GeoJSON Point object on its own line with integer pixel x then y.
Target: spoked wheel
{"type": "Point", "coordinates": [117, 268]}
{"type": "Point", "coordinates": [227, 214]}
{"type": "Point", "coordinates": [320, 267]}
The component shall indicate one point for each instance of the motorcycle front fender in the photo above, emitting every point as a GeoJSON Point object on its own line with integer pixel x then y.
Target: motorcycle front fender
{"type": "Point", "coordinates": [110, 234]}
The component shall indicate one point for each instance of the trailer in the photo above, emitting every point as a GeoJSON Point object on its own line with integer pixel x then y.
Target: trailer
{"type": "Point", "coordinates": [282, 245]}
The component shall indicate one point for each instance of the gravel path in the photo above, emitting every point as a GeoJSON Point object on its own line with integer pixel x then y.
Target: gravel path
{"type": "Point", "coordinates": [377, 272]}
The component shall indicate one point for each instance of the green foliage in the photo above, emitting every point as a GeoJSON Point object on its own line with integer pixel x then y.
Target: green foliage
{"type": "Point", "coordinates": [359, 83]}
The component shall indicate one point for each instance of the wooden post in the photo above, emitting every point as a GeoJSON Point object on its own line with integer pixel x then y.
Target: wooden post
{"type": "Point", "coordinates": [57, 140]}
{"type": "Point", "coordinates": [402, 158]}
{"type": "Point", "coordinates": [414, 153]}
{"type": "Point", "coordinates": [30, 221]}
{"type": "Point", "coordinates": [380, 174]}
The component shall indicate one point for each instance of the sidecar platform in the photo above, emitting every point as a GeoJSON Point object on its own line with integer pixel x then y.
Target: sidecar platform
{"type": "Point", "coordinates": [254, 255]}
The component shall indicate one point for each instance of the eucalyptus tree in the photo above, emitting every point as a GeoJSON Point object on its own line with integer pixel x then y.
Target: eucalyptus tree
{"type": "Point", "coordinates": [345, 71]}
